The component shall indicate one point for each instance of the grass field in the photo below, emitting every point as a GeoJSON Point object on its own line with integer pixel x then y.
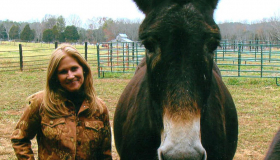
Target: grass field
{"type": "Point", "coordinates": [257, 102]}
{"type": "Point", "coordinates": [256, 99]}
{"type": "Point", "coordinates": [35, 55]}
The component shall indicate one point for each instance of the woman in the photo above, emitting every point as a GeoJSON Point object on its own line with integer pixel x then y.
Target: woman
{"type": "Point", "coordinates": [70, 121]}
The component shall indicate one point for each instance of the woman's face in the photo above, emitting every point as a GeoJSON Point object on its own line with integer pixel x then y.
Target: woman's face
{"type": "Point", "coordinates": [70, 74]}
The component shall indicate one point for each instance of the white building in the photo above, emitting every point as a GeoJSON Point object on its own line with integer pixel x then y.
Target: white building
{"type": "Point", "coordinates": [122, 38]}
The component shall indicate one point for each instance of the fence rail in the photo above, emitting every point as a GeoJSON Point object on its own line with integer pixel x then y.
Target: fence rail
{"type": "Point", "coordinates": [120, 57]}
{"type": "Point", "coordinates": [255, 60]}
{"type": "Point", "coordinates": [31, 57]}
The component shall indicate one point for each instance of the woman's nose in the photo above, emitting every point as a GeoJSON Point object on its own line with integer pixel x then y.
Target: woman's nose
{"type": "Point", "coordinates": [70, 75]}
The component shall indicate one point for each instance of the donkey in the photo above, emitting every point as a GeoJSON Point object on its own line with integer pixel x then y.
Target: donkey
{"type": "Point", "coordinates": [176, 106]}
{"type": "Point", "coordinates": [273, 152]}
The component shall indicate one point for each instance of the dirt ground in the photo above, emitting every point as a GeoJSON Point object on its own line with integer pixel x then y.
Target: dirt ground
{"type": "Point", "coordinates": [7, 153]}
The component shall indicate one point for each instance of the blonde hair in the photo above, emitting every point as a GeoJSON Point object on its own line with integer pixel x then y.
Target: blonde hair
{"type": "Point", "coordinates": [53, 99]}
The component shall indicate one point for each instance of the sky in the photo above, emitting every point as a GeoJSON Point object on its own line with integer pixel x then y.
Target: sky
{"type": "Point", "coordinates": [35, 10]}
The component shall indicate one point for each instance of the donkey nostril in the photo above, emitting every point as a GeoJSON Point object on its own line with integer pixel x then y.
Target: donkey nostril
{"type": "Point", "coordinates": [161, 155]}
{"type": "Point", "coordinates": [204, 156]}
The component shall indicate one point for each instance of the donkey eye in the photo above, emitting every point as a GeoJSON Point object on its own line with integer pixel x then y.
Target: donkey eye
{"type": "Point", "coordinates": [213, 44]}
{"type": "Point", "coordinates": [149, 47]}
{"type": "Point", "coordinates": [149, 44]}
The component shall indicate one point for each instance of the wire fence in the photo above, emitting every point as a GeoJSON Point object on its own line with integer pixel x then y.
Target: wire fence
{"type": "Point", "coordinates": [249, 60]}
{"type": "Point", "coordinates": [15, 56]}
{"type": "Point", "coordinates": [120, 57]}
{"type": "Point", "coordinates": [235, 59]}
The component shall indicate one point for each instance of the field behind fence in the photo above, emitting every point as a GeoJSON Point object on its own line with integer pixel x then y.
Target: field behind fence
{"type": "Point", "coordinates": [35, 56]}
{"type": "Point", "coordinates": [254, 60]}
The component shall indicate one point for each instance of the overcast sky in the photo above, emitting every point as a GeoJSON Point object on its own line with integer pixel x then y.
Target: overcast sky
{"type": "Point", "coordinates": [35, 10]}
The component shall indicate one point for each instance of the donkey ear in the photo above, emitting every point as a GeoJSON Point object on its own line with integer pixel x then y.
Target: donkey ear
{"type": "Point", "coordinates": [145, 5]}
{"type": "Point", "coordinates": [213, 3]}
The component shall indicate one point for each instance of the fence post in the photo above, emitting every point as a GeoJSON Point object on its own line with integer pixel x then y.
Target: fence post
{"type": "Point", "coordinates": [224, 51]}
{"type": "Point", "coordinates": [216, 55]}
{"type": "Point", "coordinates": [255, 52]}
{"type": "Point", "coordinates": [270, 45]}
{"type": "Point", "coordinates": [136, 54]}
{"type": "Point", "coordinates": [239, 59]}
{"type": "Point", "coordinates": [98, 60]}
{"type": "Point", "coordinates": [111, 56]}
{"type": "Point", "coordinates": [132, 51]}
{"type": "Point", "coordinates": [261, 61]}
{"type": "Point", "coordinates": [20, 58]}
{"type": "Point", "coordinates": [250, 44]}
{"type": "Point", "coordinates": [86, 48]}
{"type": "Point", "coordinates": [123, 58]}
{"type": "Point", "coordinates": [55, 45]}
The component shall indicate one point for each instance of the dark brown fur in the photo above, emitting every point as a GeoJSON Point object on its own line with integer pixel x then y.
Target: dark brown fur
{"type": "Point", "coordinates": [180, 37]}
{"type": "Point", "coordinates": [274, 149]}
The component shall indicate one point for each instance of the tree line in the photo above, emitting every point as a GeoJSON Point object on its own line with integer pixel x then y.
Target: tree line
{"type": "Point", "coordinates": [56, 28]}
{"type": "Point", "coordinates": [103, 29]}
{"type": "Point", "coordinates": [267, 29]}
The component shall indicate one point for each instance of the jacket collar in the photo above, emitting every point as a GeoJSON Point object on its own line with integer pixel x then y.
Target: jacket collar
{"type": "Point", "coordinates": [83, 107]}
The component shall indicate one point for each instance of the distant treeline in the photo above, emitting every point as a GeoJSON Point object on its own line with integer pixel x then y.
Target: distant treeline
{"type": "Point", "coordinates": [266, 30]}
{"type": "Point", "coordinates": [55, 28]}
{"type": "Point", "coordinates": [103, 29]}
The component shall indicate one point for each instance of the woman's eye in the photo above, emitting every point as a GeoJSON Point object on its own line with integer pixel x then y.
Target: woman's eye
{"type": "Point", "coordinates": [74, 68]}
{"type": "Point", "coordinates": [62, 72]}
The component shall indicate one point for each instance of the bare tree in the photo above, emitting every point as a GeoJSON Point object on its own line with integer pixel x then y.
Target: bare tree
{"type": "Point", "coordinates": [275, 27]}
{"type": "Point", "coordinates": [49, 21]}
{"type": "Point", "coordinates": [37, 26]}
{"type": "Point", "coordinates": [74, 20]}
{"type": "Point", "coordinates": [95, 32]}
{"type": "Point", "coordinates": [7, 25]}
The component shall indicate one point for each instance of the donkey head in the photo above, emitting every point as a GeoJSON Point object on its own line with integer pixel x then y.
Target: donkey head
{"type": "Point", "coordinates": [180, 37]}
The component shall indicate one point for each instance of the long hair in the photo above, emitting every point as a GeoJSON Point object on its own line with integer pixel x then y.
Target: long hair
{"type": "Point", "coordinates": [54, 99]}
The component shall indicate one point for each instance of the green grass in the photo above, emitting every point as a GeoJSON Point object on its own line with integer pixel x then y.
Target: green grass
{"type": "Point", "coordinates": [257, 103]}
{"type": "Point", "coordinates": [35, 55]}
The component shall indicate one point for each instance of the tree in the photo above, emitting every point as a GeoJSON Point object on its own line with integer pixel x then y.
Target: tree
{"type": "Point", "coordinates": [48, 35]}
{"type": "Point", "coordinates": [109, 29]}
{"type": "Point", "coordinates": [55, 32]}
{"type": "Point", "coordinates": [71, 34]}
{"type": "Point", "coordinates": [21, 26]}
{"type": "Point", "coordinates": [60, 23]}
{"type": "Point", "coordinates": [13, 34]}
{"type": "Point", "coordinates": [7, 25]}
{"type": "Point", "coordinates": [275, 27]}
{"type": "Point", "coordinates": [37, 27]}
{"type": "Point", "coordinates": [74, 20]}
{"type": "Point", "coordinates": [61, 37]}
{"type": "Point", "coordinates": [27, 34]}
{"type": "Point", "coordinates": [95, 32]}
{"type": "Point", "coordinates": [82, 34]}
{"type": "Point", "coordinates": [49, 21]}
{"type": "Point", "coordinates": [99, 35]}
{"type": "Point", "coordinates": [3, 34]}
{"type": "Point", "coordinates": [32, 35]}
